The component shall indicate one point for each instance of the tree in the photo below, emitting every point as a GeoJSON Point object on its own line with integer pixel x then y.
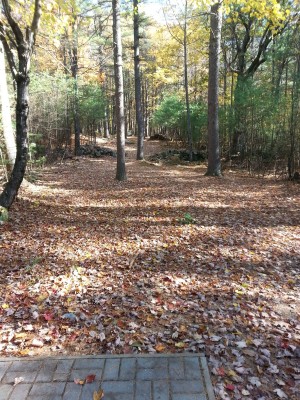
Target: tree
{"type": "Point", "coordinates": [73, 54]}
{"type": "Point", "coordinates": [13, 37]}
{"type": "Point", "coordinates": [214, 164]}
{"type": "Point", "coordinates": [252, 27]}
{"type": "Point", "coordinates": [9, 139]}
{"type": "Point", "coordinates": [183, 39]}
{"type": "Point", "coordinates": [137, 80]}
{"type": "Point", "coordinates": [119, 93]}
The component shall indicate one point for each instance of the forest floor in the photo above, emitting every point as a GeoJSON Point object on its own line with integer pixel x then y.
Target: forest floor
{"type": "Point", "coordinates": [168, 261]}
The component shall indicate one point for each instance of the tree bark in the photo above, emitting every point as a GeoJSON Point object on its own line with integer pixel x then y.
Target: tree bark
{"type": "Point", "coordinates": [74, 70]}
{"type": "Point", "coordinates": [20, 70]}
{"type": "Point", "coordinates": [137, 83]}
{"type": "Point", "coordinates": [186, 87]}
{"type": "Point", "coordinates": [214, 163]}
{"type": "Point", "coordinates": [119, 98]}
{"type": "Point", "coordinates": [9, 139]}
{"type": "Point", "coordinates": [11, 188]}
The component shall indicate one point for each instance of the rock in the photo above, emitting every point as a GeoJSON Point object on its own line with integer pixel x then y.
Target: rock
{"type": "Point", "coordinates": [158, 136]}
{"type": "Point", "coordinates": [180, 155]}
{"type": "Point", "coordinates": [96, 151]}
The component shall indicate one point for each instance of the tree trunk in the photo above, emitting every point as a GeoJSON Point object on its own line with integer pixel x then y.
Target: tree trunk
{"type": "Point", "coordinates": [76, 117]}
{"type": "Point", "coordinates": [214, 164]}
{"type": "Point", "coordinates": [186, 87]}
{"type": "Point", "coordinates": [106, 128]}
{"type": "Point", "coordinates": [11, 188]}
{"type": "Point", "coordinates": [74, 70]}
{"type": "Point", "coordinates": [137, 84]}
{"type": "Point", "coordinates": [20, 70]}
{"type": "Point", "coordinates": [120, 117]}
{"type": "Point", "coordinates": [9, 139]}
{"type": "Point", "coordinates": [240, 93]}
{"type": "Point", "coordinates": [146, 108]}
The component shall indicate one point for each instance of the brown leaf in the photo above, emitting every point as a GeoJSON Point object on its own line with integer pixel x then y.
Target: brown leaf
{"type": "Point", "coordinates": [79, 381]}
{"type": "Point", "coordinates": [98, 395]}
{"type": "Point", "coordinates": [160, 347]}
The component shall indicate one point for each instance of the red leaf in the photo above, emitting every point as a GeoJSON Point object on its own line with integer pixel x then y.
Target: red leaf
{"type": "Point", "coordinates": [48, 316]}
{"type": "Point", "coordinates": [90, 378]}
{"type": "Point", "coordinates": [220, 371]}
{"type": "Point", "coordinates": [229, 386]}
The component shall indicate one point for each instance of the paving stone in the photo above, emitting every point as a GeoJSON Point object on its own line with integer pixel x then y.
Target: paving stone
{"type": "Point", "coordinates": [26, 366]}
{"type": "Point", "coordinates": [113, 396]}
{"type": "Point", "coordinates": [192, 368]}
{"type": "Point", "coordinates": [152, 374]}
{"type": "Point", "coordinates": [47, 389]}
{"type": "Point", "coordinates": [187, 387]}
{"type": "Point", "coordinates": [159, 362]}
{"type": "Point", "coordinates": [143, 390]}
{"type": "Point", "coordinates": [50, 365]}
{"type": "Point", "coordinates": [127, 369]}
{"type": "Point", "coordinates": [5, 390]}
{"type": "Point", "coordinates": [111, 369]}
{"type": "Point", "coordinates": [47, 371]}
{"type": "Point", "coordinates": [72, 391]}
{"type": "Point", "coordinates": [119, 387]}
{"type": "Point", "coordinates": [64, 366]}
{"type": "Point", "coordinates": [89, 389]}
{"type": "Point", "coordinates": [181, 396]}
{"type": "Point", "coordinates": [20, 391]}
{"type": "Point", "coordinates": [176, 368]}
{"type": "Point", "coordinates": [161, 390]}
{"type": "Point", "coordinates": [122, 378]}
{"type": "Point", "coordinates": [45, 397]}
{"type": "Point", "coordinates": [89, 363]}
{"type": "Point", "coordinates": [29, 377]}
{"type": "Point", "coordinates": [61, 377]}
{"type": "Point", "coordinates": [45, 375]}
{"type": "Point", "coordinates": [3, 368]}
{"type": "Point", "coordinates": [83, 373]}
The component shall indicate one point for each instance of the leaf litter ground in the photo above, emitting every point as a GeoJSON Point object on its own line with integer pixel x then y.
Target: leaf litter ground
{"type": "Point", "coordinates": [169, 261]}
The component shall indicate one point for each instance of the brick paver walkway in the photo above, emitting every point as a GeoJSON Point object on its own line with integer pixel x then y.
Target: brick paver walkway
{"type": "Point", "coordinates": [142, 377]}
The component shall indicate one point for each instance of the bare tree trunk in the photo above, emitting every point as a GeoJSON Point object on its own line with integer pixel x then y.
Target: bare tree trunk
{"type": "Point", "coordinates": [9, 139]}
{"type": "Point", "coordinates": [146, 108]}
{"type": "Point", "coordinates": [214, 163]}
{"type": "Point", "coordinates": [186, 87]}
{"type": "Point", "coordinates": [106, 128]}
{"type": "Point", "coordinates": [137, 84]}
{"type": "Point", "coordinates": [120, 116]}
{"type": "Point", "coordinates": [74, 70]}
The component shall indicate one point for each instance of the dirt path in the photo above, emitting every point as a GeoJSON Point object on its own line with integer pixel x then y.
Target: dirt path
{"type": "Point", "coordinates": [168, 261]}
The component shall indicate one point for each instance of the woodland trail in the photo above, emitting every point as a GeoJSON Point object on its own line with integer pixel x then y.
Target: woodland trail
{"type": "Point", "coordinates": [168, 261]}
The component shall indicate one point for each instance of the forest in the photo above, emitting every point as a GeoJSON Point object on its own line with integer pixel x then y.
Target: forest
{"type": "Point", "coordinates": [149, 171]}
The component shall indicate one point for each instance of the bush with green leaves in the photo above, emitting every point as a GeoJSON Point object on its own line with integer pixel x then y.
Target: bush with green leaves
{"type": "Point", "coordinates": [171, 114]}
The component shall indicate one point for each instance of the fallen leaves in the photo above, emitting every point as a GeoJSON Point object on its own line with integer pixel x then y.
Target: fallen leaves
{"type": "Point", "coordinates": [88, 379]}
{"type": "Point", "coordinates": [18, 380]}
{"type": "Point", "coordinates": [93, 265]}
{"type": "Point", "coordinates": [98, 395]}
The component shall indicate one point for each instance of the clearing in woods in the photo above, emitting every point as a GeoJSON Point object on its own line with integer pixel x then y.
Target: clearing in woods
{"type": "Point", "coordinates": [168, 261]}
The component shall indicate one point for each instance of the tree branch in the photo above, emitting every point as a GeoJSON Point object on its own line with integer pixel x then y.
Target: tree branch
{"type": "Point", "coordinates": [36, 20]}
{"type": "Point", "coordinates": [13, 24]}
{"type": "Point", "coordinates": [9, 53]}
